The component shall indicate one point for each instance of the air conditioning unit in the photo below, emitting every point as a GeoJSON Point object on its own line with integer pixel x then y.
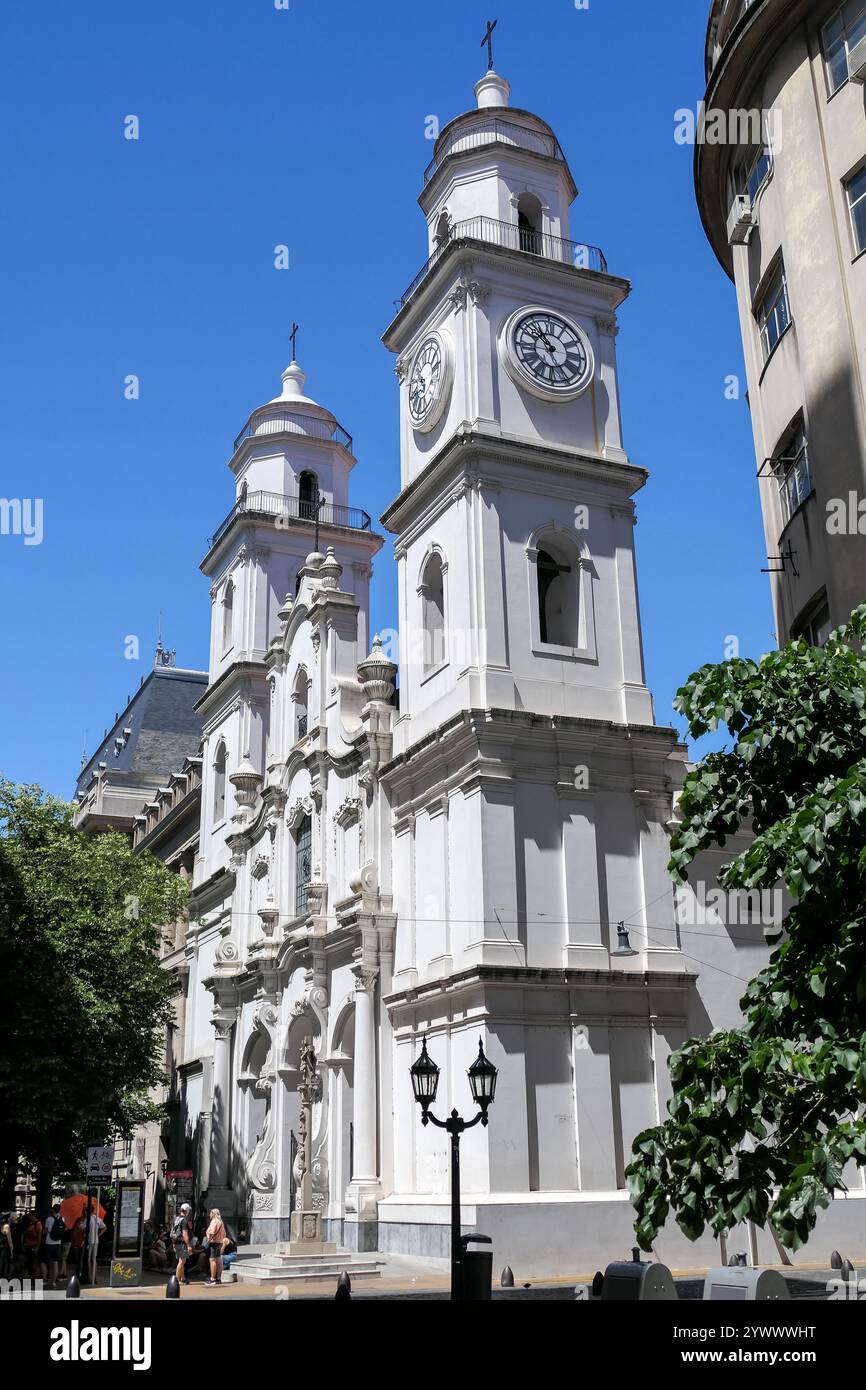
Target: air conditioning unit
{"type": "Point", "coordinates": [857, 62]}
{"type": "Point", "coordinates": [741, 220]}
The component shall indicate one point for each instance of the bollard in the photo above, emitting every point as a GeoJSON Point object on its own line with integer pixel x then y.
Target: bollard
{"type": "Point", "coordinates": [506, 1279]}
{"type": "Point", "coordinates": [172, 1288]}
{"type": "Point", "coordinates": [836, 1260]}
{"type": "Point", "coordinates": [73, 1288]}
{"type": "Point", "coordinates": [344, 1287]}
{"type": "Point", "coordinates": [847, 1270]}
{"type": "Point", "coordinates": [597, 1284]}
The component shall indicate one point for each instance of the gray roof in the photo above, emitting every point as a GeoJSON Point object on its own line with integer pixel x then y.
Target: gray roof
{"type": "Point", "coordinates": [164, 729]}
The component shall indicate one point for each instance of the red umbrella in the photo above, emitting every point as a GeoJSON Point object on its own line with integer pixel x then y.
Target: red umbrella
{"type": "Point", "coordinates": [73, 1208]}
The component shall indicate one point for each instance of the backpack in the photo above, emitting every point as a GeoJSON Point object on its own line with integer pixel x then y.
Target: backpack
{"type": "Point", "coordinates": [58, 1229]}
{"type": "Point", "coordinates": [179, 1225]}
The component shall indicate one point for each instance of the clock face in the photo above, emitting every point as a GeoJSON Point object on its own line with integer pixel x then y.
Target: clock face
{"type": "Point", "coordinates": [549, 353]}
{"type": "Point", "coordinates": [427, 381]}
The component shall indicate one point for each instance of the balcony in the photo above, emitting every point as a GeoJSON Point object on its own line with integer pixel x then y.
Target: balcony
{"type": "Point", "coordinates": [274, 506]}
{"type": "Point", "coordinates": [264, 422]}
{"type": "Point", "coordinates": [511, 238]}
{"type": "Point", "coordinates": [492, 131]}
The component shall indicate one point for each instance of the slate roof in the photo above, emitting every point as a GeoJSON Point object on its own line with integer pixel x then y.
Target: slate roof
{"type": "Point", "coordinates": [164, 729]}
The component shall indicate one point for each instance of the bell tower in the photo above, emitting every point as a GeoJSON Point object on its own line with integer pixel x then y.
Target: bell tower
{"type": "Point", "coordinates": [515, 516]}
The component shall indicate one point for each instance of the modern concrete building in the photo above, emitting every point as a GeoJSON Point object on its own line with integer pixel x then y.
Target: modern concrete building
{"type": "Point", "coordinates": [782, 195]}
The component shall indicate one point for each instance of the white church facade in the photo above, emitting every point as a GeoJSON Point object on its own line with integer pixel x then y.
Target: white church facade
{"type": "Point", "coordinates": [460, 831]}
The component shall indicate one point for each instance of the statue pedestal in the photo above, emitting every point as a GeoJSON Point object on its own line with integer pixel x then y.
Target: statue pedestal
{"type": "Point", "coordinates": [306, 1237]}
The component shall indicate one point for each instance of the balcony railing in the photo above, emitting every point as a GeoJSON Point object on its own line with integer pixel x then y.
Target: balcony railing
{"type": "Point", "coordinates": [293, 422]}
{"type": "Point", "coordinates": [494, 130]}
{"type": "Point", "coordinates": [276, 507]}
{"type": "Point", "coordinates": [514, 238]}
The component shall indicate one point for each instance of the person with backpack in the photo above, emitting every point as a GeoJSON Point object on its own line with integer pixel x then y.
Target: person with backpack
{"type": "Point", "coordinates": [181, 1239]}
{"type": "Point", "coordinates": [55, 1227]}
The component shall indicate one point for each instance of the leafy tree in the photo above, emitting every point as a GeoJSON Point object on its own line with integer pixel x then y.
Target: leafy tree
{"type": "Point", "coordinates": [83, 999]}
{"type": "Point", "coordinates": [764, 1117]}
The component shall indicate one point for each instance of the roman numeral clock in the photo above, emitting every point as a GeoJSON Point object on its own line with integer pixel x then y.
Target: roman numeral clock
{"type": "Point", "coordinates": [546, 353]}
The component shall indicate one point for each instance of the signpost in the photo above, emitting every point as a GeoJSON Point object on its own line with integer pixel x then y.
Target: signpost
{"type": "Point", "coordinates": [127, 1259]}
{"type": "Point", "coordinates": [100, 1161]}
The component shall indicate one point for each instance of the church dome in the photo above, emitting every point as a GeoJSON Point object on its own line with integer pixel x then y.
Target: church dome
{"type": "Point", "coordinates": [294, 412]}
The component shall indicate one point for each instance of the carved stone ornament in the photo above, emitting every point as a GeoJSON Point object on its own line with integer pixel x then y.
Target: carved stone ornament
{"type": "Point", "coordinates": [365, 979]}
{"type": "Point", "coordinates": [227, 952]}
{"type": "Point", "coordinates": [466, 290]}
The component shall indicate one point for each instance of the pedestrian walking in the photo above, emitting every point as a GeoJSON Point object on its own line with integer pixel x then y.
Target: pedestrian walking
{"type": "Point", "coordinates": [215, 1235]}
{"type": "Point", "coordinates": [181, 1239]}
{"type": "Point", "coordinates": [95, 1227]}
{"type": "Point", "coordinates": [31, 1242]}
{"type": "Point", "coordinates": [54, 1229]}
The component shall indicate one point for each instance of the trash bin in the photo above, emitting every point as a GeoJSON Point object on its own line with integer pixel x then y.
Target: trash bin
{"type": "Point", "coordinates": [477, 1269]}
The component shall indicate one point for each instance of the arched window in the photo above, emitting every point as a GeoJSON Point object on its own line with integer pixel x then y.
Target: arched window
{"type": "Point", "coordinates": [433, 612]}
{"type": "Point", "coordinates": [219, 784]}
{"type": "Point", "coordinates": [228, 614]}
{"type": "Point", "coordinates": [529, 221]}
{"type": "Point", "coordinates": [300, 699]}
{"type": "Point", "coordinates": [303, 863]}
{"type": "Point", "coordinates": [308, 495]}
{"type": "Point", "coordinates": [557, 596]}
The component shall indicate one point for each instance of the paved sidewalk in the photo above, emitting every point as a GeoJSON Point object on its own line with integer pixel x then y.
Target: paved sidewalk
{"type": "Point", "coordinates": [404, 1278]}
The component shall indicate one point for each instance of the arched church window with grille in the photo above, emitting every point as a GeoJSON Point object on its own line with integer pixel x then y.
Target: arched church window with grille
{"type": "Point", "coordinates": [308, 495]}
{"type": "Point", "coordinates": [433, 611]}
{"type": "Point", "coordinates": [300, 699]}
{"type": "Point", "coordinates": [529, 222]}
{"type": "Point", "coordinates": [219, 784]}
{"type": "Point", "coordinates": [228, 614]}
{"type": "Point", "coordinates": [303, 863]}
{"type": "Point", "coordinates": [557, 595]}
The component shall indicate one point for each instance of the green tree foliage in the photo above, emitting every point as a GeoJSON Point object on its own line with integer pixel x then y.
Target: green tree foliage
{"type": "Point", "coordinates": [83, 1000]}
{"type": "Point", "coordinates": [764, 1118]}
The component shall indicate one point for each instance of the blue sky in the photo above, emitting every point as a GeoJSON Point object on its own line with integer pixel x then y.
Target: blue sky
{"type": "Point", "coordinates": [305, 126]}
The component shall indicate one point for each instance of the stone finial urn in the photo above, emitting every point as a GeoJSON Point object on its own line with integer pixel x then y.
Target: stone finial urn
{"type": "Point", "coordinates": [377, 674]}
{"type": "Point", "coordinates": [246, 782]}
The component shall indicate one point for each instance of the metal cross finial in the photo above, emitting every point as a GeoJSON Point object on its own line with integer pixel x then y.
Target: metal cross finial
{"type": "Point", "coordinates": [293, 340]}
{"type": "Point", "coordinates": [488, 39]}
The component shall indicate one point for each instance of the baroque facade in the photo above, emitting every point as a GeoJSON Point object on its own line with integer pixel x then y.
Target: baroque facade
{"type": "Point", "coordinates": [462, 833]}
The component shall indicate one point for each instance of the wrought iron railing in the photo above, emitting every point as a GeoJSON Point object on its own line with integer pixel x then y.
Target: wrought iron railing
{"type": "Point", "coordinates": [514, 238]}
{"type": "Point", "coordinates": [277, 507]}
{"type": "Point", "coordinates": [293, 422]}
{"type": "Point", "coordinates": [494, 130]}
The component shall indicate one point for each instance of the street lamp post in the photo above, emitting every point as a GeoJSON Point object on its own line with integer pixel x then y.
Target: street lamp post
{"type": "Point", "coordinates": [425, 1082]}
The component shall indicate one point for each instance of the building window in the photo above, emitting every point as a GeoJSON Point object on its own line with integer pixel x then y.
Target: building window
{"type": "Point", "coordinates": [433, 612]}
{"type": "Point", "coordinates": [228, 614]}
{"type": "Point", "coordinates": [773, 312]}
{"type": "Point", "coordinates": [816, 627]}
{"type": "Point", "coordinates": [753, 171]}
{"type": "Point", "coordinates": [793, 473]}
{"type": "Point", "coordinates": [300, 701]}
{"type": "Point", "coordinates": [219, 784]}
{"type": "Point", "coordinates": [303, 863]}
{"type": "Point", "coordinates": [529, 217]}
{"type": "Point", "coordinates": [856, 191]}
{"type": "Point", "coordinates": [557, 616]}
{"type": "Point", "coordinates": [839, 35]}
{"type": "Point", "coordinates": [308, 496]}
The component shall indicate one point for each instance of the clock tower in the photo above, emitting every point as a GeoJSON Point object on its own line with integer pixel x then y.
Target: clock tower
{"type": "Point", "coordinates": [517, 582]}
{"type": "Point", "coordinates": [529, 784]}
